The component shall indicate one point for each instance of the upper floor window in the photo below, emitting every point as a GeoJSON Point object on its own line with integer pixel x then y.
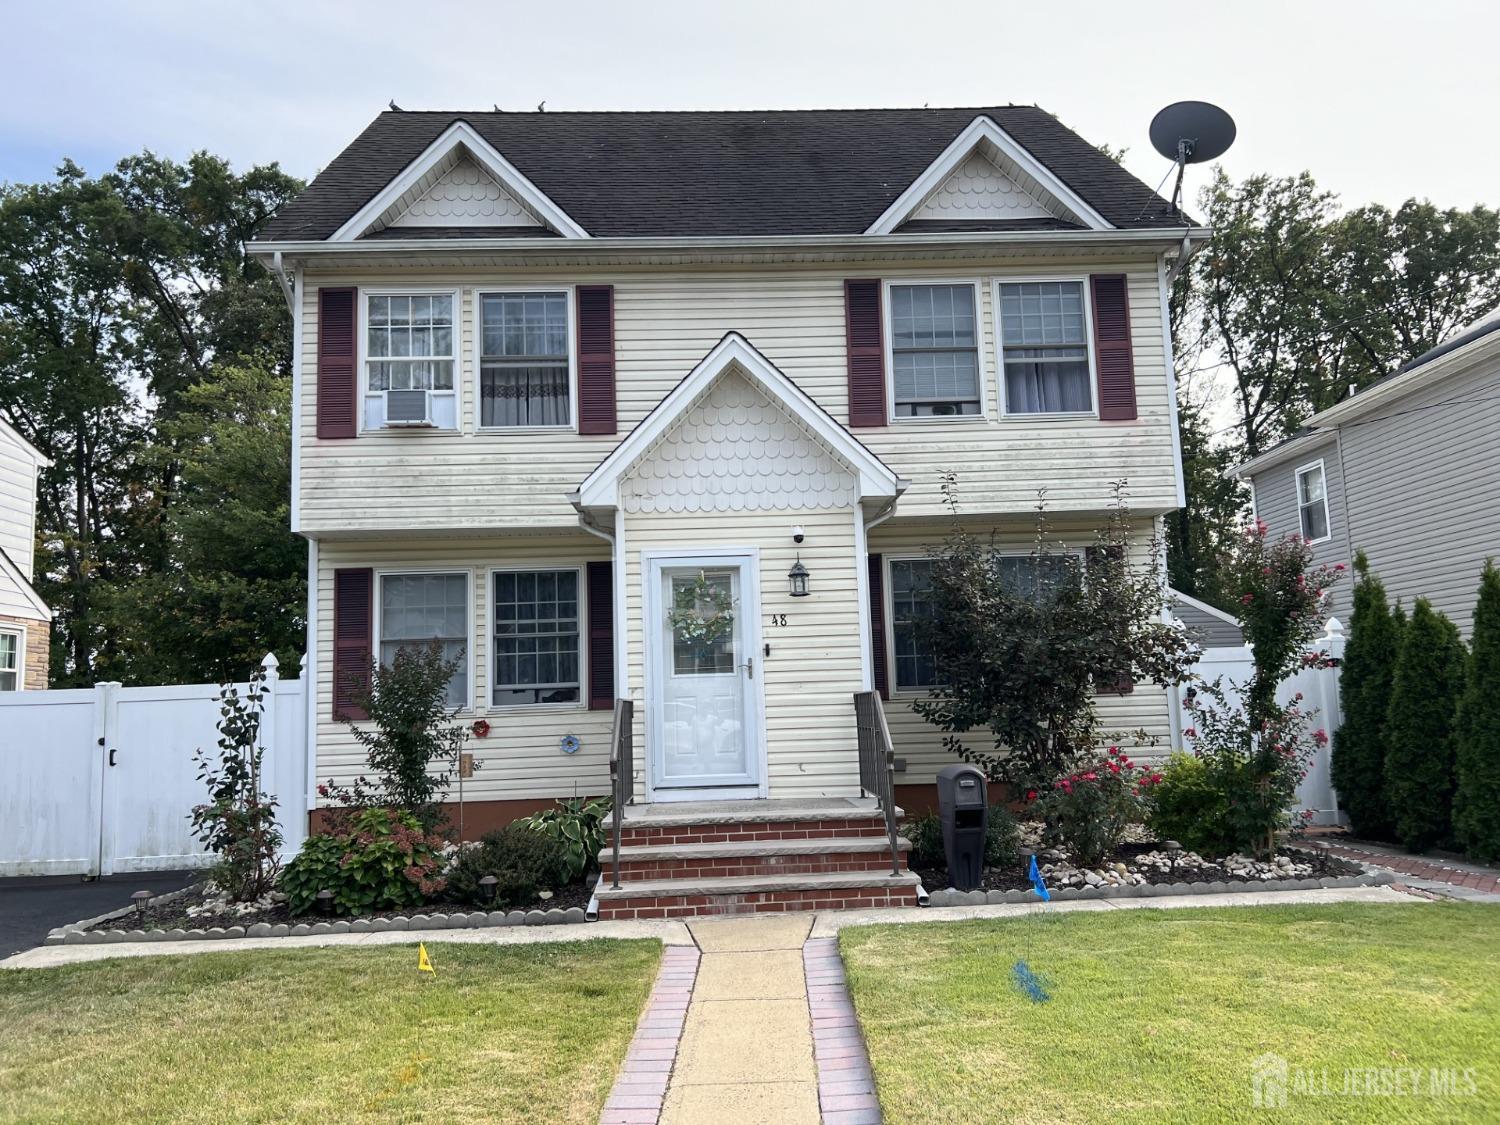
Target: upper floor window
{"type": "Point", "coordinates": [10, 661]}
{"type": "Point", "coordinates": [934, 351]}
{"type": "Point", "coordinates": [417, 609]}
{"type": "Point", "coordinates": [409, 360]}
{"type": "Point", "coordinates": [1044, 348]}
{"type": "Point", "coordinates": [1312, 502]}
{"type": "Point", "coordinates": [524, 377]}
{"type": "Point", "coordinates": [538, 644]}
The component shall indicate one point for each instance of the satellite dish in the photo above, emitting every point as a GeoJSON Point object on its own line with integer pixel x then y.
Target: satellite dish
{"type": "Point", "coordinates": [1191, 133]}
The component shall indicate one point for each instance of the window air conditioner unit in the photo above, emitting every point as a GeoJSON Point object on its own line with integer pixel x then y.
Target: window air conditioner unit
{"type": "Point", "coordinates": [407, 408]}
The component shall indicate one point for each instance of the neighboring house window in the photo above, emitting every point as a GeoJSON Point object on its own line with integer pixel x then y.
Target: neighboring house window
{"type": "Point", "coordinates": [10, 661]}
{"type": "Point", "coordinates": [1028, 575]}
{"type": "Point", "coordinates": [416, 609]}
{"type": "Point", "coordinates": [1312, 502]}
{"type": "Point", "coordinates": [409, 360]}
{"type": "Point", "coordinates": [1044, 346]}
{"type": "Point", "coordinates": [537, 640]}
{"type": "Point", "coordinates": [523, 364]}
{"type": "Point", "coordinates": [934, 351]}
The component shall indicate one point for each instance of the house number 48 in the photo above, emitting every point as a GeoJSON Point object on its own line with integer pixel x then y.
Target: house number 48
{"type": "Point", "coordinates": [778, 619]}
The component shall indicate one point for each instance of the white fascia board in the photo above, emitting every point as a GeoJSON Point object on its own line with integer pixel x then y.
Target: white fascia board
{"type": "Point", "coordinates": [41, 459]}
{"type": "Point", "coordinates": [982, 129]}
{"type": "Point", "coordinates": [461, 134]}
{"type": "Point", "coordinates": [600, 489]}
{"type": "Point", "coordinates": [1203, 607]}
{"type": "Point", "coordinates": [10, 570]}
{"type": "Point", "coordinates": [1280, 453]}
{"type": "Point", "coordinates": [1457, 362]}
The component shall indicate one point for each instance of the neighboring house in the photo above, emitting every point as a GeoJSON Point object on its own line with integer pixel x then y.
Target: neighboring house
{"type": "Point", "coordinates": [25, 620]}
{"type": "Point", "coordinates": [1210, 627]}
{"type": "Point", "coordinates": [559, 373]}
{"type": "Point", "coordinates": [1405, 471]}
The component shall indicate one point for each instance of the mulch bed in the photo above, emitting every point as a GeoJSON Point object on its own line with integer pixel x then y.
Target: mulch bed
{"type": "Point", "coordinates": [1015, 879]}
{"type": "Point", "coordinates": [173, 915]}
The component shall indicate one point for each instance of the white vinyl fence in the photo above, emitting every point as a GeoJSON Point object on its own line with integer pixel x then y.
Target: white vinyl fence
{"type": "Point", "coordinates": [97, 781]}
{"type": "Point", "coordinates": [1320, 695]}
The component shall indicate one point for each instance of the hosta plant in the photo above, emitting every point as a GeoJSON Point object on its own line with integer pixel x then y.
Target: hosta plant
{"type": "Point", "coordinates": [577, 825]}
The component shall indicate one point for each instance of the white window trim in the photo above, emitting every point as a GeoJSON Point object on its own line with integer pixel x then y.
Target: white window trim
{"type": "Point", "coordinates": [20, 635]}
{"type": "Point", "coordinates": [1088, 347]}
{"type": "Point", "coordinates": [381, 573]}
{"type": "Point", "coordinates": [569, 291]}
{"type": "Point", "coordinates": [982, 373]}
{"type": "Point", "coordinates": [888, 596]}
{"type": "Point", "coordinates": [363, 348]}
{"type": "Point", "coordinates": [487, 705]}
{"type": "Point", "coordinates": [1297, 496]}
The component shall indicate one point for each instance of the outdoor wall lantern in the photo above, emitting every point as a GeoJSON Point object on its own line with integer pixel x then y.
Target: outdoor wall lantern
{"type": "Point", "coordinates": [797, 579]}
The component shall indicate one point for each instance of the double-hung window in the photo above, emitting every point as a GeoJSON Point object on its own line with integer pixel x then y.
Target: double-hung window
{"type": "Point", "coordinates": [410, 360]}
{"type": "Point", "coordinates": [538, 644]}
{"type": "Point", "coordinates": [524, 374]}
{"type": "Point", "coordinates": [1312, 502]}
{"type": "Point", "coordinates": [417, 609]}
{"type": "Point", "coordinates": [10, 661]}
{"type": "Point", "coordinates": [1044, 345]}
{"type": "Point", "coordinates": [934, 351]}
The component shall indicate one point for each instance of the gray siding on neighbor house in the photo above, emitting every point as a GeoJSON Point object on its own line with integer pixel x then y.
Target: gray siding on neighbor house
{"type": "Point", "coordinates": [1205, 628]}
{"type": "Point", "coordinates": [1424, 502]}
{"type": "Point", "coordinates": [1276, 503]}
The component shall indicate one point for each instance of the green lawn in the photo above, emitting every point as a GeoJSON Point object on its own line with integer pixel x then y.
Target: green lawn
{"type": "Point", "coordinates": [1156, 1015]}
{"type": "Point", "coordinates": [499, 1033]}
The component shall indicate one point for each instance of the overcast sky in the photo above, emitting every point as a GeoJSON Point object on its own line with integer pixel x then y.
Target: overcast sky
{"type": "Point", "coordinates": [1379, 100]}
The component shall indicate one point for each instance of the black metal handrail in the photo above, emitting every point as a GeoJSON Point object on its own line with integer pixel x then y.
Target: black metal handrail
{"type": "Point", "coordinates": [877, 764]}
{"type": "Point", "coordinates": [621, 772]}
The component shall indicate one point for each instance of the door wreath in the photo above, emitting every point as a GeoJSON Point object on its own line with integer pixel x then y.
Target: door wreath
{"type": "Point", "coordinates": [702, 613]}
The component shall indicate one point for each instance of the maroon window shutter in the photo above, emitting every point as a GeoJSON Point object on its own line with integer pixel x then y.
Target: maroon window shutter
{"type": "Point", "coordinates": [601, 658]}
{"type": "Point", "coordinates": [353, 639]}
{"type": "Point", "coordinates": [866, 343]}
{"type": "Point", "coordinates": [1112, 354]}
{"type": "Point", "coordinates": [879, 673]}
{"type": "Point", "coordinates": [1109, 679]}
{"type": "Point", "coordinates": [596, 360]}
{"type": "Point", "coordinates": [337, 384]}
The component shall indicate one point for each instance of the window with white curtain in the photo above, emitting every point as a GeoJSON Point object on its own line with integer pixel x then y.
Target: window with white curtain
{"type": "Point", "coordinates": [1044, 348]}
{"type": "Point", "coordinates": [934, 351]}
{"type": "Point", "coordinates": [410, 345]}
{"type": "Point", "coordinates": [10, 661]}
{"type": "Point", "coordinates": [1312, 502]}
{"type": "Point", "coordinates": [538, 643]}
{"type": "Point", "coordinates": [417, 609]}
{"type": "Point", "coordinates": [523, 365]}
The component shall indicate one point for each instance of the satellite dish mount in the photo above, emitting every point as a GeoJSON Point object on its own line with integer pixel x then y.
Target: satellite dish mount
{"type": "Point", "coordinates": [1191, 133]}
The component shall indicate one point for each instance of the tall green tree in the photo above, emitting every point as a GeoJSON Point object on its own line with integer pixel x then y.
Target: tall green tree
{"type": "Point", "coordinates": [1419, 760]}
{"type": "Point", "coordinates": [1369, 664]}
{"type": "Point", "coordinates": [1200, 534]}
{"type": "Point", "coordinates": [1476, 805]}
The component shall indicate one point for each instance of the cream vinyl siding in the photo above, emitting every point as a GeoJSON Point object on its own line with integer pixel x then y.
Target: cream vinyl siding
{"type": "Point", "coordinates": [520, 758]}
{"type": "Point", "coordinates": [18, 471]}
{"type": "Point", "coordinates": [815, 666]}
{"type": "Point", "coordinates": [921, 744]}
{"type": "Point", "coordinates": [665, 322]}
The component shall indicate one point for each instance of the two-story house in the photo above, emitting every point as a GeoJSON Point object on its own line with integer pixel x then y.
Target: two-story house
{"type": "Point", "coordinates": [25, 620]}
{"type": "Point", "coordinates": [655, 406]}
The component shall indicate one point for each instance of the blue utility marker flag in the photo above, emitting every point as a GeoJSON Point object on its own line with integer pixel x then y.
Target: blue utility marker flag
{"type": "Point", "coordinates": [1029, 983]}
{"type": "Point", "coordinates": [1036, 882]}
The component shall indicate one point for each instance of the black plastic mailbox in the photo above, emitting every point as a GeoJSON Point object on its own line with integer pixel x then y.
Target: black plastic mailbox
{"type": "Point", "coordinates": [964, 810]}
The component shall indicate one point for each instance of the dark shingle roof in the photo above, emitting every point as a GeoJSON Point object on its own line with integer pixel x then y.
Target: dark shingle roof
{"type": "Point", "coordinates": [780, 172]}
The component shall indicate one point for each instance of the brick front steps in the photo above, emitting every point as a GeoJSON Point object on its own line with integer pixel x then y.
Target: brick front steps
{"type": "Point", "coordinates": [746, 857]}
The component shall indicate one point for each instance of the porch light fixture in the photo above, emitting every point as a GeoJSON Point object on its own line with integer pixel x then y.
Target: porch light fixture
{"type": "Point", "coordinates": [487, 887]}
{"type": "Point", "coordinates": [139, 900]}
{"type": "Point", "coordinates": [797, 579]}
{"type": "Point", "coordinates": [325, 902]}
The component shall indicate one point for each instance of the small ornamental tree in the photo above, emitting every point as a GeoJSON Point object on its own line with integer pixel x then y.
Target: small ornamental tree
{"type": "Point", "coordinates": [1021, 659]}
{"type": "Point", "coordinates": [413, 744]}
{"type": "Point", "coordinates": [1419, 728]}
{"type": "Point", "coordinates": [1358, 761]}
{"type": "Point", "coordinates": [1476, 805]}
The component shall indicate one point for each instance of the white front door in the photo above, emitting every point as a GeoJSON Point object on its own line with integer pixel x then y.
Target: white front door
{"type": "Point", "coordinates": [703, 676]}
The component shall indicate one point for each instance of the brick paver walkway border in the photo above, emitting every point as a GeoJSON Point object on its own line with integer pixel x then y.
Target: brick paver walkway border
{"type": "Point", "coordinates": [1457, 874]}
{"type": "Point", "coordinates": [641, 1085]}
{"type": "Point", "coordinates": [846, 1085]}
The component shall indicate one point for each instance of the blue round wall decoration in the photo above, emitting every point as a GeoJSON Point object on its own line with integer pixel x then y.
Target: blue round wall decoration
{"type": "Point", "coordinates": [569, 744]}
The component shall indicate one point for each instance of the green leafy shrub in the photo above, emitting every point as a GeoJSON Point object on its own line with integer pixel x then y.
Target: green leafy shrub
{"type": "Point", "coordinates": [1002, 840]}
{"type": "Point", "coordinates": [1187, 806]}
{"type": "Point", "coordinates": [577, 826]}
{"type": "Point", "coordinates": [1358, 760]}
{"type": "Point", "coordinates": [522, 860]}
{"type": "Point", "coordinates": [1088, 812]}
{"type": "Point", "coordinates": [383, 862]}
{"type": "Point", "coordinates": [1419, 762]}
{"type": "Point", "coordinates": [1476, 806]}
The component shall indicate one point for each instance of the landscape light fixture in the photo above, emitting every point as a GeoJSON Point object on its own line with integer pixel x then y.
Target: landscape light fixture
{"type": "Point", "coordinates": [487, 887]}
{"type": "Point", "coordinates": [140, 899]}
{"type": "Point", "coordinates": [325, 902]}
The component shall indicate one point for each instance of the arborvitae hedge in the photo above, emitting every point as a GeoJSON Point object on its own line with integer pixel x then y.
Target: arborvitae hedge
{"type": "Point", "coordinates": [1476, 806]}
{"type": "Point", "coordinates": [1419, 728]}
{"type": "Point", "coordinates": [1369, 663]}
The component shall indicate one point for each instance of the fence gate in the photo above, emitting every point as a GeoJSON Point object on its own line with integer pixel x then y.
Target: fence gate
{"type": "Point", "coordinates": [99, 781]}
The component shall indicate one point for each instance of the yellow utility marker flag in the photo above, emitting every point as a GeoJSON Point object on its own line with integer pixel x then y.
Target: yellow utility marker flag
{"type": "Point", "coordinates": [423, 964]}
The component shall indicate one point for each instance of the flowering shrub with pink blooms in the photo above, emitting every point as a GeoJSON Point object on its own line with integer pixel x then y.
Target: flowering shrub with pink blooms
{"type": "Point", "coordinates": [383, 861]}
{"type": "Point", "coordinates": [1087, 812]}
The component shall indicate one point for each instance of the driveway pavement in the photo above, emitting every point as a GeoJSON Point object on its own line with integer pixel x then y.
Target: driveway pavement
{"type": "Point", "coordinates": [31, 907]}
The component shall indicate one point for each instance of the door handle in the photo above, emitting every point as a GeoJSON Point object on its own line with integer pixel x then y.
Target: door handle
{"type": "Point", "coordinates": [749, 667]}
{"type": "Point", "coordinates": [112, 752]}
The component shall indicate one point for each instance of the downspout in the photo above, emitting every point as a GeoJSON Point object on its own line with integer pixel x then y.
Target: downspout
{"type": "Point", "coordinates": [280, 272]}
{"type": "Point", "coordinates": [588, 522]}
{"type": "Point", "coordinates": [862, 582]}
